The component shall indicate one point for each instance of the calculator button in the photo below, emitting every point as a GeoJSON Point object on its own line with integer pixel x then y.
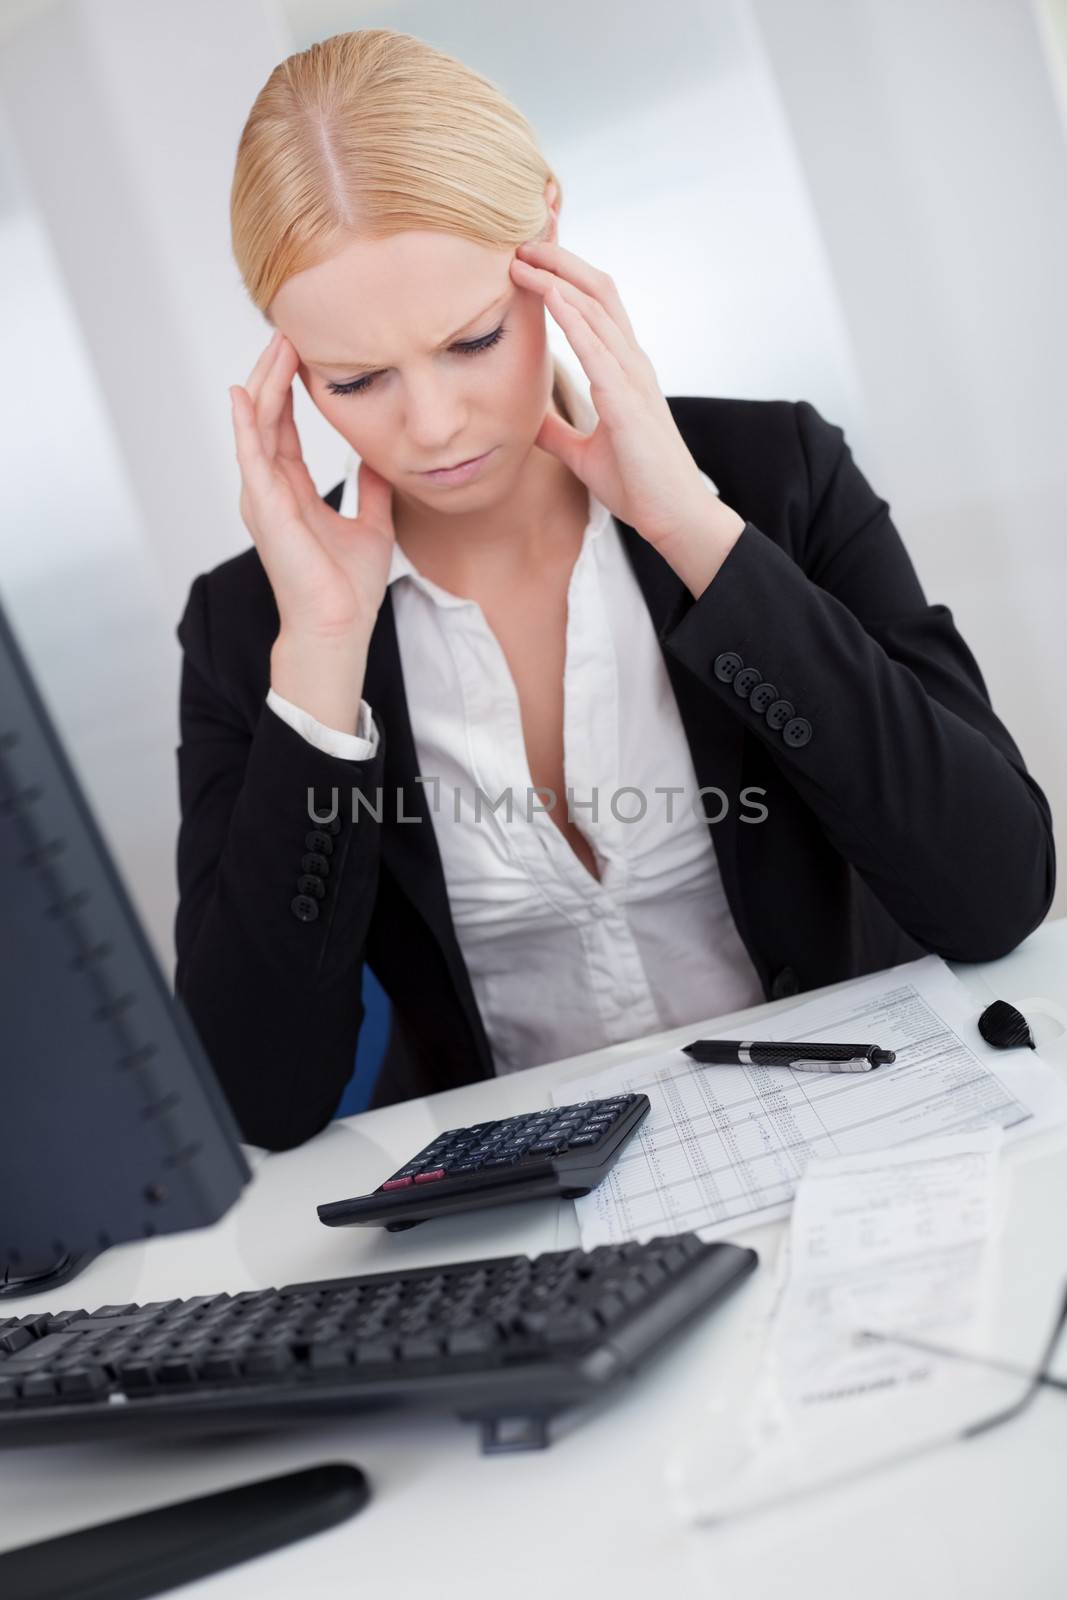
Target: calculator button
{"type": "Point", "coordinates": [429, 1177]}
{"type": "Point", "coordinates": [583, 1138]}
{"type": "Point", "coordinates": [397, 1183]}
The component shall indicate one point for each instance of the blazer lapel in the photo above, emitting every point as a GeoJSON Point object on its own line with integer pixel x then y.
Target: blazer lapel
{"type": "Point", "coordinates": [409, 846]}
{"type": "Point", "coordinates": [412, 856]}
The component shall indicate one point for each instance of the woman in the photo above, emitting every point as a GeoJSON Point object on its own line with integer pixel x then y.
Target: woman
{"type": "Point", "coordinates": [464, 724]}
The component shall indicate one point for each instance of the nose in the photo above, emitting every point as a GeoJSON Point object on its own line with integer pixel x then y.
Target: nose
{"type": "Point", "coordinates": [435, 419]}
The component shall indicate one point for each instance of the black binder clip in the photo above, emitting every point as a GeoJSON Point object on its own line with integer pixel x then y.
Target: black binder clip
{"type": "Point", "coordinates": [1001, 1025]}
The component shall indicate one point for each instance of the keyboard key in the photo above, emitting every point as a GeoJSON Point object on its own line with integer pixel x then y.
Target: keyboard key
{"type": "Point", "coordinates": [176, 1369]}
{"type": "Point", "coordinates": [652, 1273]}
{"type": "Point", "coordinates": [374, 1351]}
{"type": "Point", "coordinates": [609, 1308]}
{"type": "Point", "coordinates": [420, 1346]}
{"type": "Point", "coordinates": [135, 1375]}
{"type": "Point", "coordinates": [60, 1319]}
{"type": "Point", "coordinates": [38, 1353]}
{"type": "Point", "coordinates": [329, 1357]}
{"type": "Point", "coordinates": [263, 1363]}
{"type": "Point", "coordinates": [476, 1340]}
{"type": "Point", "coordinates": [83, 1381]}
{"type": "Point", "coordinates": [38, 1386]}
{"type": "Point", "coordinates": [577, 1328]}
{"type": "Point", "coordinates": [690, 1245]}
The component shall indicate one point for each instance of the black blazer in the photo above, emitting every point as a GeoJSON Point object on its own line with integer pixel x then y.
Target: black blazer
{"type": "Point", "coordinates": [901, 818]}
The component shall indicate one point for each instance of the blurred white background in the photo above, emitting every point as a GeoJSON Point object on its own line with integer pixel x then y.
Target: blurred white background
{"type": "Point", "coordinates": [862, 203]}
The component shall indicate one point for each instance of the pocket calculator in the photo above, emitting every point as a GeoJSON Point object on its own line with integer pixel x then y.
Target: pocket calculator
{"type": "Point", "coordinates": [564, 1151]}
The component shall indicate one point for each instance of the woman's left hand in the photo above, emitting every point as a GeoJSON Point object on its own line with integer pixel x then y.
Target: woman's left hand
{"type": "Point", "coordinates": [635, 461]}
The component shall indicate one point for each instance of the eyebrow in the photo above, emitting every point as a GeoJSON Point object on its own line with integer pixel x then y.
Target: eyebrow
{"type": "Point", "coordinates": [366, 366]}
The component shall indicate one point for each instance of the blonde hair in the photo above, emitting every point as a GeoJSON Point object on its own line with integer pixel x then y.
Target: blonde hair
{"type": "Point", "coordinates": [373, 133]}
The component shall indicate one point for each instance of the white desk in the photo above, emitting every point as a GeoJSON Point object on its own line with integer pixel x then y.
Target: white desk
{"type": "Point", "coordinates": [592, 1514]}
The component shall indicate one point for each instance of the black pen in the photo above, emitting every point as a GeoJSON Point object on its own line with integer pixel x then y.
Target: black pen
{"type": "Point", "coordinates": [806, 1057]}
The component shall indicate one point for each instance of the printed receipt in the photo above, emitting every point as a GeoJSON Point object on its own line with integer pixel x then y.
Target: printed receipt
{"type": "Point", "coordinates": [895, 1242]}
{"type": "Point", "coordinates": [725, 1147]}
{"type": "Point", "coordinates": [899, 1244]}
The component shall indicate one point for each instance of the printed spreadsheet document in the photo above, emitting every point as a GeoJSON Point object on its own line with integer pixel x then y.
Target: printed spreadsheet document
{"type": "Point", "coordinates": [724, 1147]}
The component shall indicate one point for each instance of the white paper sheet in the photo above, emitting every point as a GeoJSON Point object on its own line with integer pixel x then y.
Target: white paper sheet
{"type": "Point", "coordinates": [895, 1242]}
{"type": "Point", "coordinates": [899, 1242]}
{"type": "Point", "coordinates": [724, 1147]}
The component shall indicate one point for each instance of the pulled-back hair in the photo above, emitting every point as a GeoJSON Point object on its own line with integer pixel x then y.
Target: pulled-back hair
{"type": "Point", "coordinates": [374, 133]}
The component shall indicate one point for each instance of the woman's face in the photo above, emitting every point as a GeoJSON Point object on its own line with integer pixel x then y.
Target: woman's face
{"type": "Point", "coordinates": [448, 355]}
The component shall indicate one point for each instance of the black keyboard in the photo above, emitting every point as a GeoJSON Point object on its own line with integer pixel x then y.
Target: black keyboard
{"type": "Point", "coordinates": [563, 1152]}
{"type": "Point", "coordinates": [507, 1342]}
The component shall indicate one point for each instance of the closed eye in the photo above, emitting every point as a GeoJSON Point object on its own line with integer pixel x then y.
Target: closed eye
{"type": "Point", "coordinates": [470, 347]}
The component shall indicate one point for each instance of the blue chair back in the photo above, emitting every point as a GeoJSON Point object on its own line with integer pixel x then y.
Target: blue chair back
{"type": "Point", "coordinates": [373, 1038]}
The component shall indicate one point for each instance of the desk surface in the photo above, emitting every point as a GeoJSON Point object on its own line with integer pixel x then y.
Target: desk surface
{"type": "Point", "coordinates": [593, 1512]}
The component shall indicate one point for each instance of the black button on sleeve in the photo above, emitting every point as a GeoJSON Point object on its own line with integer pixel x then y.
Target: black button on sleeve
{"type": "Point", "coordinates": [304, 908]}
{"type": "Point", "coordinates": [746, 681]}
{"type": "Point", "coordinates": [313, 862]}
{"type": "Point", "coordinates": [317, 840]}
{"type": "Point", "coordinates": [311, 884]}
{"type": "Point", "coordinates": [727, 666]}
{"type": "Point", "coordinates": [762, 696]}
{"type": "Point", "coordinates": [797, 732]}
{"type": "Point", "coordinates": [779, 713]}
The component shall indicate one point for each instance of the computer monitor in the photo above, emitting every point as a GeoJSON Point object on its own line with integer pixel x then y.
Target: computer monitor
{"type": "Point", "coordinates": [112, 1123]}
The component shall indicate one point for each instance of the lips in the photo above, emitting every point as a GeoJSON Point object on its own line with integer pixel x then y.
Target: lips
{"type": "Point", "coordinates": [452, 465]}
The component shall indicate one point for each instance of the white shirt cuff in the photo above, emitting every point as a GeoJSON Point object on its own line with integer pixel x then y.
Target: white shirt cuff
{"type": "Point", "coordinates": [358, 746]}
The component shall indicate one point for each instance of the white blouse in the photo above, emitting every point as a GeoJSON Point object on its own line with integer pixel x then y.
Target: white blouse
{"type": "Point", "coordinates": [560, 963]}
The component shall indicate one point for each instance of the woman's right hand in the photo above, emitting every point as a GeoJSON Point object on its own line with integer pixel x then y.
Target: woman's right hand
{"type": "Point", "coordinates": [329, 573]}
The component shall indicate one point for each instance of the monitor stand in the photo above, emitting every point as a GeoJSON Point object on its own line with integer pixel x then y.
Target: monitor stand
{"type": "Point", "coordinates": [39, 1279]}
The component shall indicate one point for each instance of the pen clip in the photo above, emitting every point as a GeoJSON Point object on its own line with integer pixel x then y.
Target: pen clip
{"type": "Point", "coordinates": [849, 1064]}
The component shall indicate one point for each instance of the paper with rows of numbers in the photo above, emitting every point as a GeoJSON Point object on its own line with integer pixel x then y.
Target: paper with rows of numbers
{"type": "Point", "coordinates": [889, 1276]}
{"type": "Point", "coordinates": [724, 1147]}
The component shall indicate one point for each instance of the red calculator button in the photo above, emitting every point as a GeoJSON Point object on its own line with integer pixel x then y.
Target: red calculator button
{"type": "Point", "coordinates": [396, 1183]}
{"type": "Point", "coordinates": [428, 1177]}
